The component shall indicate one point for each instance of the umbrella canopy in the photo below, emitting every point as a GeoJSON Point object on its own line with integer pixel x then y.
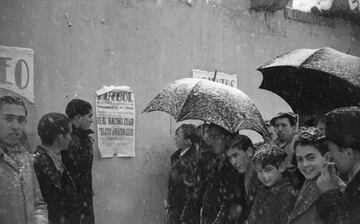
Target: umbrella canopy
{"type": "Point", "coordinates": [314, 80]}
{"type": "Point", "coordinates": [200, 99]}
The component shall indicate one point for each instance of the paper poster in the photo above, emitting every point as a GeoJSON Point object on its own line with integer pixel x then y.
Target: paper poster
{"type": "Point", "coordinates": [115, 120]}
{"type": "Point", "coordinates": [17, 71]}
{"type": "Point", "coordinates": [230, 80]}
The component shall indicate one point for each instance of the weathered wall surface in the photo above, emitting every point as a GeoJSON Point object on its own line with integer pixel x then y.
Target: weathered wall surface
{"type": "Point", "coordinates": [84, 44]}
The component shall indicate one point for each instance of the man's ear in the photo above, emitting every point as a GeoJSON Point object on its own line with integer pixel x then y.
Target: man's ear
{"type": "Point", "coordinates": [250, 151]}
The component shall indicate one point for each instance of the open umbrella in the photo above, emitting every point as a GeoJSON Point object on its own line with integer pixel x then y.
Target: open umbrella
{"type": "Point", "coordinates": [314, 81]}
{"type": "Point", "coordinates": [200, 99]}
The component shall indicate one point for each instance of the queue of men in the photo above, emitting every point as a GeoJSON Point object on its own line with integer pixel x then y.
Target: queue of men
{"type": "Point", "coordinates": [54, 184]}
{"type": "Point", "coordinates": [295, 179]}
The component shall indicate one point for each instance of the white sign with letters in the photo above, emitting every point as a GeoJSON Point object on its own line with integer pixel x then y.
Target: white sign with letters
{"type": "Point", "coordinates": [17, 71]}
{"type": "Point", "coordinates": [230, 80]}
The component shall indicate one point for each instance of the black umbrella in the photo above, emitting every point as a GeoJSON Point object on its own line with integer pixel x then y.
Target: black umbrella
{"type": "Point", "coordinates": [314, 81]}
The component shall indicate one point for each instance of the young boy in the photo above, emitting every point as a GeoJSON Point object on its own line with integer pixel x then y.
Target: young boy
{"type": "Point", "coordinates": [78, 158]}
{"type": "Point", "coordinates": [275, 198]}
{"type": "Point", "coordinates": [235, 207]}
{"type": "Point", "coordinates": [20, 196]}
{"type": "Point", "coordinates": [56, 185]}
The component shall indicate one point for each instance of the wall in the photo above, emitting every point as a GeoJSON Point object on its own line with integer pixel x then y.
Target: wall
{"type": "Point", "coordinates": [84, 44]}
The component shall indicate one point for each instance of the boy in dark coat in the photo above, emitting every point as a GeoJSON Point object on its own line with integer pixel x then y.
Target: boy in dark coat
{"type": "Point", "coordinates": [342, 135]}
{"type": "Point", "coordinates": [275, 198]}
{"type": "Point", "coordinates": [57, 187]}
{"type": "Point", "coordinates": [235, 206]}
{"type": "Point", "coordinates": [211, 183]}
{"type": "Point", "coordinates": [182, 172]}
{"type": "Point", "coordinates": [78, 158]}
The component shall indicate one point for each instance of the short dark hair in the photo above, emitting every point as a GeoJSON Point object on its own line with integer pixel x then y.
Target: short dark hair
{"type": "Point", "coordinates": [269, 154]}
{"type": "Point", "coordinates": [222, 130]}
{"type": "Point", "coordinates": [311, 136]}
{"type": "Point", "coordinates": [343, 127]}
{"type": "Point", "coordinates": [51, 125]}
{"type": "Point", "coordinates": [13, 100]}
{"type": "Point", "coordinates": [188, 130]}
{"type": "Point", "coordinates": [242, 142]}
{"type": "Point", "coordinates": [77, 106]}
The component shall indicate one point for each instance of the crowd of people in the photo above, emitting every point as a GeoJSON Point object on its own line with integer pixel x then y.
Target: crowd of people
{"type": "Point", "coordinates": [306, 175]}
{"type": "Point", "coordinates": [297, 176]}
{"type": "Point", "coordinates": [53, 185]}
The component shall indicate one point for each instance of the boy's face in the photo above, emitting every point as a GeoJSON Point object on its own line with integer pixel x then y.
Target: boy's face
{"type": "Point", "coordinates": [283, 128]}
{"type": "Point", "coordinates": [86, 120]}
{"type": "Point", "coordinates": [239, 159]}
{"type": "Point", "coordinates": [12, 123]}
{"type": "Point", "coordinates": [309, 160]}
{"type": "Point", "coordinates": [206, 136]}
{"type": "Point", "coordinates": [269, 175]}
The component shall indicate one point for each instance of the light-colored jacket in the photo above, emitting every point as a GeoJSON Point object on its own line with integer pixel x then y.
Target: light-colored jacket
{"type": "Point", "coordinates": [21, 200]}
{"type": "Point", "coordinates": [305, 211]}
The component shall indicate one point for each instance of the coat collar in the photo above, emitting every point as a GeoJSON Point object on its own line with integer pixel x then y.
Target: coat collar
{"type": "Point", "coordinates": [308, 196]}
{"type": "Point", "coordinates": [6, 150]}
{"type": "Point", "coordinates": [54, 175]}
{"type": "Point", "coordinates": [52, 172]}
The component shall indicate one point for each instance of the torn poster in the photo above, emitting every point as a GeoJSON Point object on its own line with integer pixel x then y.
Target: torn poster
{"type": "Point", "coordinates": [115, 121]}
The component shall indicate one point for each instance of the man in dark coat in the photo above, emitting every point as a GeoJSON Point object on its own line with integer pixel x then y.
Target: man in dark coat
{"type": "Point", "coordinates": [78, 158]}
{"type": "Point", "coordinates": [182, 172]}
{"type": "Point", "coordinates": [213, 185]}
{"type": "Point", "coordinates": [342, 134]}
{"type": "Point", "coordinates": [57, 187]}
{"type": "Point", "coordinates": [285, 127]}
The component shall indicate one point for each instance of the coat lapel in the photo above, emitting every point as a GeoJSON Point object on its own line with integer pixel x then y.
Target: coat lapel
{"type": "Point", "coordinates": [12, 163]}
{"type": "Point", "coordinates": [307, 197]}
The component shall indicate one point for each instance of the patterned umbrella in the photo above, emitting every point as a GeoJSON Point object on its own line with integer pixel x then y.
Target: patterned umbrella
{"type": "Point", "coordinates": [314, 81]}
{"type": "Point", "coordinates": [200, 99]}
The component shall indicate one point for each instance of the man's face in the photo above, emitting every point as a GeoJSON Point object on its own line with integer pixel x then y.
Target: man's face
{"type": "Point", "coordinates": [283, 128]}
{"type": "Point", "coordinates": [12, 123]}
{"type": "Point", "coordinates": [86, 120]}
{"type": "Point", "coordinates": [217, 140]}
{"type": "Point", "coordinates": [309, 160]}
{"type": "Point", "coordinates": [342, 160]}
{"type": "Point", "coordinates": [321, 126]}
{"type": "Point", "coordinates": [268, 175]}
{"type": "Point", "coordinates": [180, 142]}
{"type": "Point", "coordinates": [239, 159]}
{"type": "Point", "coordinates": [206, 136]}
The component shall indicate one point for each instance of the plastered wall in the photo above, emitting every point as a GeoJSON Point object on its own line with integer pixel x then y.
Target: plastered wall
{"type": "Point", "coordinates": [82, 45]}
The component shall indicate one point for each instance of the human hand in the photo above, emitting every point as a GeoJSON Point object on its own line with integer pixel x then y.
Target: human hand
{"type": "Point", "coordinates": [328, 179]}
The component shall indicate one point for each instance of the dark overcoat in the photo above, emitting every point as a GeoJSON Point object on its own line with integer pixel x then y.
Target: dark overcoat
{"type": "Point", "coordinates": [58, 189]}
{"type": "Point", "coordinates": [336, 207]}
{"type": "Point", "coordinates": [78, 160]}
{"type": "Point", "coordinates": [181, 176]}
{"type": "Point", "coordinates": [273, 205]}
